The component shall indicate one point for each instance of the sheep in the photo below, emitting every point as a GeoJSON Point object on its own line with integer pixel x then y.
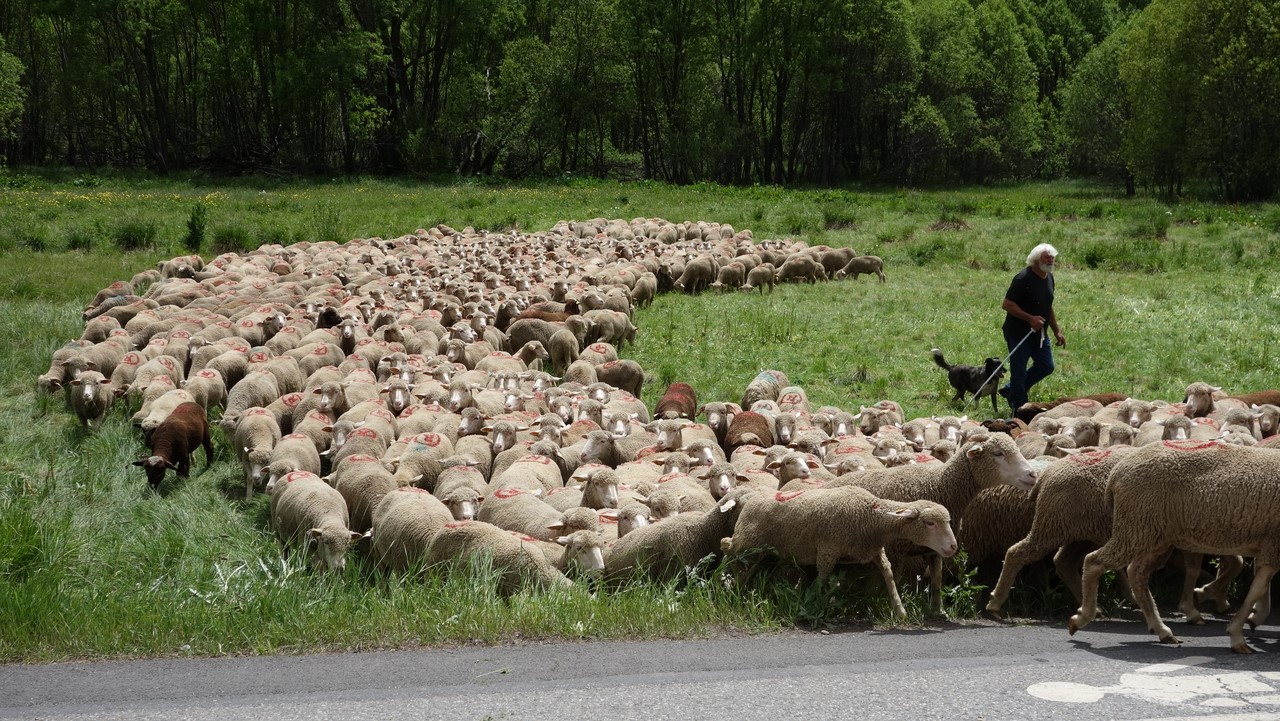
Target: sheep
{"type": "Point", "coordinates": [363, 481]}
{"type": "Point", "coordinates": [612, 327]}
{"type": "Point", "coordinates": [307, 512]}
{"type": "Point", "coordinates": [678, 401]}
{"type": "Point", "coordinates": [519, 510]}
{"type": "Point", "coordinates": [294, 452]}
{"type": "Point", "coordinates": [1269, 418]}
{"type": "Point", "coordinates": [747, 428]}
{"type": "Point", "coordinates": [698, 274]}
{"type": "Point", "coordinates": [562, 349]}
{"type": "Point", "coordinates": [514, 556]}
{"type": "Point", "coordinates": [626, 375]}
{"type": "Point", "coordinates": [207, 387]}
{"type": "Point", "coordinates": [257, 389]}
{"type": "Point", "coordinates": [983, 462]}
{"type": "Point", "coordinates": [160, 409]}
{"type": "Point", "coordinates": [862, 264]}
{"type": "Point", "coordinates": [730, 276]}
{"type": "Point", "coordinates": [91, 398]}
{"type": "Point", "coordinates": [800, 267]}
{"type": "Point", "coordinates": [1200, 399]}
{"type": "Point", "coordinates": [825, 526]}
{"type": "Point", "coordinates": [418, 462]}
{"type": "Point", "coordinates": [767, 385]}
{"type": "Point", "coordinates": [762, 277]}
{"type": "Point", "coordinates": [1202, 497]}
{"type": "Point", "coordinates": [404, 522]}
{"type": "Point", "coordinates": [583, 554]}
{"type": "Point", "coordinates": [599, 353]}
{"type": "Point", "coordinates": [174, 441]}
{"type": "Point", "coordinates": [256, 435]}
{"type": "Point", "coordinates": [662, 550]}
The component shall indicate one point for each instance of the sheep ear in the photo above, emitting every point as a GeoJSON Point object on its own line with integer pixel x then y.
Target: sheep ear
{"type": "Point", "coordinates": [964, 418]}
{"type": "Point", "coordinates": [356, 535]}
{"type": "Point", "coordinates": [975, 450]}
{"type": "Point", "coordinates": [142, 462]}
{"type": "Point", "coordinates": [905, 513]}
{"type": "Point", "coordinates": [728, 505]}
{"type": "Point", "coordinates": [557, 526]}
{"type": "Point", "coordinates": [562, 540]}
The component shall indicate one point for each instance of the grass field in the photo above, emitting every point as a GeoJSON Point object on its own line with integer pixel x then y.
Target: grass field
{"type": "Point", "coordinates": [1151, 297]}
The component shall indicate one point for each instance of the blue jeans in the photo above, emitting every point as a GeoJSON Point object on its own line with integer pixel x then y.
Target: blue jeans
{"type": "Point", "coordinates": [1021, 378]}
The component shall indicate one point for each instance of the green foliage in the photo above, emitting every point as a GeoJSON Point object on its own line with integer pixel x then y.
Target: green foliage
{"type": "Point", "coordinates": [197, 226]}
{"type": "Point", "coordinates": [233, 238]}
{"type": "Point", "coordinates": [81, 237]}
{"type": "Point", "coordinates": [134, 233]}
{"type": "Point", "coordinates": [12, 93]}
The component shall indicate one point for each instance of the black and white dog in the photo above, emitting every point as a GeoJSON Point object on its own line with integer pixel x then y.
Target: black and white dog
{"type": "Point", "coordinates": [969, 379]}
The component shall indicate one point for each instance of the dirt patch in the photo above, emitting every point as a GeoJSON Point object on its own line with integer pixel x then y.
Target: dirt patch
{"type": "Point", "coordinates": [949, 224]}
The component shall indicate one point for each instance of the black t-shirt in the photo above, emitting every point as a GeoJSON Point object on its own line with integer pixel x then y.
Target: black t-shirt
{"type": "Point", "coordinates": [1033, 294]}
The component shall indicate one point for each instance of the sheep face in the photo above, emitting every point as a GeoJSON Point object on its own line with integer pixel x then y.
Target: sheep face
{"type": "Point", "coordinates": [155, 466]}
{"type": "Point", "coordinates": [996, 460]}
{"type": "Point", "coordinates": [583, 553]}
{"type": "Point", "coordinates": [331, 545]}
{"type": "Point", "coordinates": [929, 525]}
{"type": "Point", "coordinates": [631, 518]}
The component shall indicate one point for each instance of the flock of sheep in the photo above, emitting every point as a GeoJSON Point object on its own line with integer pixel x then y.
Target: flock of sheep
{"type": "Point", "coordinates": [399, 394]}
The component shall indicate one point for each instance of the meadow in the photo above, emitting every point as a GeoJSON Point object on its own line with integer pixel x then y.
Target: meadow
{"type": "Point", "coordinates": [1152, 296]}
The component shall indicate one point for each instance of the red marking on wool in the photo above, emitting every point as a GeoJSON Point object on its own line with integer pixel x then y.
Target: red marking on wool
{"type": "Point", "coordinates": [363, 433]}
{"type": "Point", "coordinates": [258, 412]}
{"type": "Point", "coordinates": [361, 458]}
{"type": "Point", "coordinates": [926, 458]}
{"type": "Point", "coordinates": [180, 334]}
{"type": "Point", "coordinates": [413, 489]}
{"type": "Point", "coordinates": [509, 492]}
{"type": "Point", "coordinates": [207, 374]}
{"type": "Point", "coordinates": [1193, 445]}
{"type": "Point", "coordinates": [131, 359]}
{"type": "Point", "coordinates": [1204, 421]}
{"type": "Point", "coordinates": [456, 524]}
{"type": "Point", "coordinates": [318, 416]}
{"type": "Point", "coordinates": [295, 436]}
{"type": "Point", "coordinates": [246, 323]}
{"type": "Point", "coordinates": [292, 399]}
{"type": "Point", "coordinates": [320, 350]}
{"type": "Point", "coordinates": [295, 475]}
{"type": "Point", "coordinates": [845, 450]}
{"type": "Point", "coordinates": [166, 363]}
{"type": "Point", "coordinates": [499, 354]}
{"type": "Point", "coordinates": [535, 459]}
{"type": "Point", "coordinates": [670, 476]}
{"type": "Point", "coordinates": [646, 452]}
{"type": "Point", "coordinates": [431, 440]}
{"type": "Point", "coordinates": [600, 348]}
{"type": "Point", "coordinates": [259, 357]}
{"type": "Point", "coordinates": [522, 537]}
{"type": "Point", "coordinates": [1083, 403]}
{"type": "Point", "coordinates": [790, 398]}
{"type": "Point", "coordinates": [784, 496]}
{"type": "Point", "coordinates": [610, 364]}
{"type": "Point", "coordinates": [1091, 458]}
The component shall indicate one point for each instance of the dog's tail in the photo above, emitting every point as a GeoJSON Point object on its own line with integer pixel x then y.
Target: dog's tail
{"type": "Point", "coordinates": [937, 358]}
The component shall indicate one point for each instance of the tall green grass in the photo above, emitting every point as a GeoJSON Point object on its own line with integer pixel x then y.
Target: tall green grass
{"type": "Point", "coordinates": [93, 564]}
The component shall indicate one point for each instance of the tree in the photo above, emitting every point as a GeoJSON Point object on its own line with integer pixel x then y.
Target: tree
{"type": "Point", "coordinates": [12, 94]}
{"type": "Point", "coordinates": [1096, 113]}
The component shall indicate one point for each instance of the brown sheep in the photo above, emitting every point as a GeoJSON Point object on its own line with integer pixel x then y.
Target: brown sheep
{"type": "Point", "coordinates": [173, 442]}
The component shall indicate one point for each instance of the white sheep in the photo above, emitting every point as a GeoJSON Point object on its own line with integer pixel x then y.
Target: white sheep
{"type": "Point", "coordinates": [306, 511]}
{"type": "Point", "coordinates": [1198, 496]}
{"type": "Point", "coordinates": [256, 436]}
{"type": "Point", "coordinates": [91, 398]}
{"type": "Point", "coordinates": [363, 481]}
{"type": "Point", "coordinates": [826, 526]}
{"type": "Point", "coordinates": [468, 546]}
{"type": "Point", "coordinates": [404, 522]}
{"type": "Point", "coordinates": [983, 462]}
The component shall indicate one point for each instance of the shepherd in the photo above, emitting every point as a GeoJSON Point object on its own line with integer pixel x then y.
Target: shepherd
{"type": "Point", "coordinates": [1028, 307]}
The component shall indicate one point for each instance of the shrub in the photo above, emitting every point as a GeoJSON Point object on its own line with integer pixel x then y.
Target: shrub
{"type": "Point", "coordinates": [231, 239]}
{"type": "Point", "coordinates": [197, 225]}
{"type": "Point", "coordinates": [80, 238]}
{"type": "Point", "coordinates": [32, 237]}
{"type": "Point", "coordinates": [839, 217]}
{"type": "Point", "coordinates": [134, 234]}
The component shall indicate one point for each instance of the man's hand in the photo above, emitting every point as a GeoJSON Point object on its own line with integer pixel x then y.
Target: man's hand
{"type": "Point", "coordinates": [1059, 339]}
{"type": "Point", "coordinates": [1036, 321]}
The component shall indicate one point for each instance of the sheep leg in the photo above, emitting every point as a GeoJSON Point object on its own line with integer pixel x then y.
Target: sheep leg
{"type": "Point", "coordinates": [1216, 590]}
{"type": "Point", "coordinates": [935, 587]}
{"type": "Point", "coordinates": [1259, 589]}
{"type": "Point", "coordinates": [1140, 575]}
{"type": "Point", "coordinates": [1261, 609]}
{"type": "Point", "coordinates": [1192, 563]}
{"type": "Point", "coordinates": [1018, 556]}
{"type": "Point", "coordinates": [886, 572]}
{"type": "Point", "coordinates": [1067, 562]}
{"type": "Point", "coordinates": [1094, 564]}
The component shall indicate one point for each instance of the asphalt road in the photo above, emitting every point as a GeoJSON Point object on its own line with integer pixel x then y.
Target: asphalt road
{"type": "Point", "coordinates": [1111, 670]}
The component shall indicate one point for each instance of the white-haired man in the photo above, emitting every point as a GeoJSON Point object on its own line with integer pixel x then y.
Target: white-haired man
{"type": "Point", "coordinates": [1028, 307]}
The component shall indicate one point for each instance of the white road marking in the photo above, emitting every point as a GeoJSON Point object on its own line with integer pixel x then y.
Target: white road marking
{"type": "Point", "coordinates": [1165, 683]}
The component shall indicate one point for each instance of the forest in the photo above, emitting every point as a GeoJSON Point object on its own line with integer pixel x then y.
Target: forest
{"type": "Point", "coordinates": [1167, 96]}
